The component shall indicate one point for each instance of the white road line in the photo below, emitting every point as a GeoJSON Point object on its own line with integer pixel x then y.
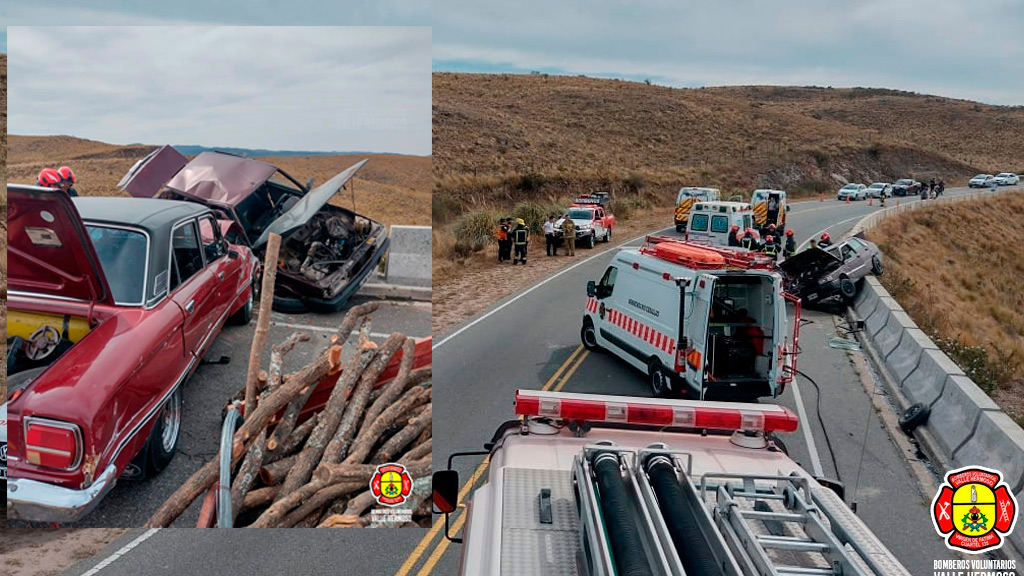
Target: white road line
{"type": "Point", "coordinates": [808, 435]}
{"type": "Point", "coordinates": [124, 550]}
{"type": "Point", "coordinates": [536, 286]}
{"type": "Point", "coordinates": [830, 226]}
{"type": "Point", "coordinates": [330, 330]}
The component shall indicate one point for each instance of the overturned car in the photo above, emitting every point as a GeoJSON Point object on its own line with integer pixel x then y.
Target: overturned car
{"type": "Point", "coordinates": [327, 252]}
{"type": "Point", "coordinates": [816, 275]}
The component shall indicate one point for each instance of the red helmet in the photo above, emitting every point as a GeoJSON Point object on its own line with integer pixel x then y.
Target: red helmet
{"type": "Point", "coordinates": [769, 239]}
{"type": "Point", "coordinates": [735, 228]}
{"type": "Point", "coordinates": [49, 178]}
{"type": "Point", "coordinates": [789, 232]}
{"type": "Point", "coordinates": [749, 230]}
{"type": "Point", "coordinates": [771, 226]}
{"type": "Point", "coordinates": [825, 236]}
{"type": "Point", "coordinates": [66, 174]}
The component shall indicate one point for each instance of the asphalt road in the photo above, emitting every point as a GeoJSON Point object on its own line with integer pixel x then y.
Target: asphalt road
{"type": "Point", "coordinates": [522, 342]}
{"type": "Point", "coordinates": [131, 503]}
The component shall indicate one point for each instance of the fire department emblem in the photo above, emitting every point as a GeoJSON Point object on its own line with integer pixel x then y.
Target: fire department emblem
{"type": "Point", "coordinates": [974, 510]}
{"type": "Point", "coordinates": [391, 484]}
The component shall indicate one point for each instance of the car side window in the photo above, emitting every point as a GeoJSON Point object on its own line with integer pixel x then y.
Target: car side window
{"type": "Point", "coordinates": [848, 252]}
{"type": "Point", "coordinates": [186, 254]}
{"type": "Point", "coordinates": [213, 243]}
{"type": "Point", "coordinates": [607, 282]}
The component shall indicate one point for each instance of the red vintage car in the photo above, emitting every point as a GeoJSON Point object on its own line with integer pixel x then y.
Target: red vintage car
{"type": "Point", "coordinates": [112, 303]}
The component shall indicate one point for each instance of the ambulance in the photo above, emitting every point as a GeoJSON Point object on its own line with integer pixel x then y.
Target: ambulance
{"type": "Point", "coordinates": [712, 222]}
{"type": "Point", "coordinates": [701, 322]}
{"type": "Point", "coordinates": [759, 202]}
{"type": "Point", "coordinates": [685, 200]}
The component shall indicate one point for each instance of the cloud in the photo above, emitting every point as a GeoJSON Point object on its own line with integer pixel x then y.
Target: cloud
{"type": "Point", "coordinates": [960, 49]}
{"type": "Point", "coordinates": [308, 88]}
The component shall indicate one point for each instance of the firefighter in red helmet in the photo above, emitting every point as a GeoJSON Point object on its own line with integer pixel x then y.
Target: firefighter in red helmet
{"type": "Point", "coordinates": [790, 249]}
{"type": "Point", "coordinates": [67, 180]}
{"type": "Point", "coordinates": [825, 240]}
{"type": "Point", "coordinates": [734, 236]}
{"type": "Point", "coordinates": [48, 178]}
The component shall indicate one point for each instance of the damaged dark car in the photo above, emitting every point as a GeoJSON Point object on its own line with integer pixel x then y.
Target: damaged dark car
{"type": "Point", "coordinates": [817, 275]}
{"type": "Point", "coordinates": [327, 252]}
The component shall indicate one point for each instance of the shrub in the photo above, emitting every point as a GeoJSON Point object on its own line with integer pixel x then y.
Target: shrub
{"type": "Point", "coordinates": [531, 182]}
{"type": "Point", "coordinates": [474, 230]}
{"type": "Point", "coordinates": [536, 214]}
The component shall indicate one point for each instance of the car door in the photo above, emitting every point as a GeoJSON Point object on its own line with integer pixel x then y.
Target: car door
{"type": "Point", "coordinates": [193, 285]}
{"type": "Point", "coordinates": [599, 222]}
{"type": "Point", "coordinates": [229, 275]}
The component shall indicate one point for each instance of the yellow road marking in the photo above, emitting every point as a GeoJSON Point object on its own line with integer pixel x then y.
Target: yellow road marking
{"type": "Point", "coordinates": [428, 538]}
{"type": "Point", "coordinates": [571, 371]}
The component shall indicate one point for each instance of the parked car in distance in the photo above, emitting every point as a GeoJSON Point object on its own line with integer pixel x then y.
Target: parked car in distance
{"type": "Point", "coordinates": [327, 252]}
{"type": "Point", "coordinates": [1007, 179]}
{"type": "Point", "coordinates": [982, 181]}
{"type": "Point", "coordinates": [820, 274]}
{"type": "Point", "coordinates": [880, 190]}
{"type": "Point", "coordinates": [112, 304]}
{"type": "Point", "coordinates": [853, 192]}
{"type": "Point", "coordinates": [906, 187]}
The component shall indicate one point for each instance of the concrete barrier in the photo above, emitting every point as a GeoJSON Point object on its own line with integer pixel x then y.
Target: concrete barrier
{"type": "Point", "coordinates": [997, 442]}
{"type": "Point", "coordinates": [956, 411]}
{"type": "Point", "coordinates": [874, 323]}
{"type": "Point", "coordinates": [888, 338]}
{"type": "Point", "coordinates": [925, 383]}
{"type": "Point", "coordinates": [903, 360]}
{"type": "Point", "coordinates": [409, 258]}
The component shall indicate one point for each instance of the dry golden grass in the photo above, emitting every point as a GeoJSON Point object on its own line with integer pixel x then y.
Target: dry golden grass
{"type": "Point", "coordinates": [957, 270]}
{"type": "Point", "coordinates": [390, 188]}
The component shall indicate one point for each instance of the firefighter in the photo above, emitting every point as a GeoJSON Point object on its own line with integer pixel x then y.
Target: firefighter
{"type": "Point", "coordinates": [502, 234]}
{"type": "Point", "coordinates": [48, 178]}
{"type": "Point", "coordinates": [549, 236]}
{"type": "Point", "coordinates": [749, 242]}
{"type": "Point", "coordinates": [520, 239]}
{"type": "Point", "coordinates": [734, 236]}
{"type": "Point", "coordinates": [769, 230]}
{"type": "Point", "coordinates": [569, 235]}
{"type": "Point", "coordinates": [813, 244]}
{"type": "Point", "coordinates": [790, 248]}
{"type": "Point", "coordinates": [67, 180]}
{"type": "Point", "coordinates": [825, 241]}
{"type": "Point", "coordinates": [770, 247]}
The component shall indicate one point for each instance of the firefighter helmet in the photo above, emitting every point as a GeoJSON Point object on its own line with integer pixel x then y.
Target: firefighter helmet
{"type": "Point", "coordinates": [825, 237]}
{"type": "Point", "coordinates": [769, 239]}
{"type": "Point", "coordinates": [66, 174]}
{"type": "Point", "coordinates": [789, 232]}
{"type": "Point", "coordinates": [49, 178]}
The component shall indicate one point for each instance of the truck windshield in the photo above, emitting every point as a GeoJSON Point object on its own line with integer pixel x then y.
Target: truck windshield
{"type": "Point", "coordinates": [123, 255]}
{"type": "Point", "coordinates": [583, 214]}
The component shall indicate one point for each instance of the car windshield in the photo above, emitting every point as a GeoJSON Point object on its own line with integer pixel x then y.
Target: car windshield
{"type": "Point", "coordinates": [850, 187]}
{"type": "Point", "coordinates": [877, 185]}
{"type": "Point", "coordinates": [982, 176]}
{"type": "Point", "coordinates": [904, 181]}
{"type": "Point", "coordinates": [123, 255]}
{"type": "Point", "coordinates": [1005, 175]}
{"type": "Point", "coordinates": [581, 214]}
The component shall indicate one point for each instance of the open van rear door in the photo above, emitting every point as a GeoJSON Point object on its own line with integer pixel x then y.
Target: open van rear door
{"type": "Point", "coordinates": [695, 328]}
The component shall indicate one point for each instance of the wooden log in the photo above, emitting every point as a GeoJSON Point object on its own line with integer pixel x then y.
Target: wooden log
{"type": "Point", "coordinates": [403, 419]}
{"type": "Point", "coordinates": [259, 497]}
{"type": "Point", "coordinates": [295, 440]}
{"type": "Point", "coordinates": [259, 341]}
{"type": "Point", "coordinates": [330, 416]}
{"type": "Point", "coordinates": [420, 450]}
{"type": "Point", "coordinates": [247, 473]}
{"type": "Point", "coordinates": [322, 498]}
{"type": "Point", "coordinates": [398, 442]}
{"type": "Point", "coordinates": [286, 426]}
{"type": "Point", "coordinates": [331, 474]}
{"type": "Point", "coordinates": [337, 449]}
{"type": "Point", "coordinates": [256, 421]}
{"type": "Point", "coordinates": [277, 354]}
{"type": "Point", "coordinates": [424, 436]}
{"type": "Point", "coordinates": [395, 388]}
{"type": "Point", "coordinates": [344, 521]}
{"type": "Point", "coordinates": [369, 436]}
{"type": "Point", "coordinates": [285, 503]}
{"type": "Point", "coordinates": [274, 473]}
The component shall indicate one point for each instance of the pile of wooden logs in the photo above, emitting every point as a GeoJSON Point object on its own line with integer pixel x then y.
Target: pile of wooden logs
{"type": "Point", "coordinates": [316, 472]}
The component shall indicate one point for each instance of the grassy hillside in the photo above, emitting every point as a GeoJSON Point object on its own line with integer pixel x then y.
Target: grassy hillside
{"type": "Point", "coordinates": [393, 189]}
{"type": "Point", "coordinates": [959, 277]}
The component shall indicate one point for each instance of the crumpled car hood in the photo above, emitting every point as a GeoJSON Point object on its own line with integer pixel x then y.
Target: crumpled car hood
{"type": "Point", "coordinates": [812, 259]}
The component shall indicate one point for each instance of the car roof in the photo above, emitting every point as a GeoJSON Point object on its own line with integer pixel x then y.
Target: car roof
{"type": "Point", "coordinates": [149, 214]}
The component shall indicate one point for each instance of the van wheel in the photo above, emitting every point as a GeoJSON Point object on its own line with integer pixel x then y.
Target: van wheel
{"type": "Point", "coordinates": [847, 288]}
{"type": "Point", "coordinates": [680, 229]}
{"type": "Point", "coordinates": [660, 383]}
{"type": "Point", "coordinates": [876, 265]}
{"type": "Point", "coordinates": [588, 334]}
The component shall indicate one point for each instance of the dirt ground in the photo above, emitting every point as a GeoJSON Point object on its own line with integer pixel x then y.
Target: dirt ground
{"type": "Point", "coordinates": [462, 291]}
{"type": "Point", "coordinates": [44, 552]}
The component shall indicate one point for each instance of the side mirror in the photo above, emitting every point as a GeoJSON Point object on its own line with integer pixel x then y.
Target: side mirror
{"type": "Point", "coordinates": [591, 288]}
{"type": "Point", "coordinates": [446, 491]}
{"type": "Point", "coordinates": [233, 254]}
{"type": "Point", "coordinates": [309, 183]}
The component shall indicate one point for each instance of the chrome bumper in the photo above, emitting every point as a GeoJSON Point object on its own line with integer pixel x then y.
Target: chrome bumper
{"type": "Point", "coordinates": [41, 502]}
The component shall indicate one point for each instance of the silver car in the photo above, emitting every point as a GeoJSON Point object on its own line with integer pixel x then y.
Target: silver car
{"type": "Point", "coordinates": [853, 192]}
{"type": "Point", "coordinates": [982, 181]}
{"type": "Point", "coordinates": [880, 190]}
{"type": "Point", "coordinates": [820, 274]}
{"type": "Point", "coordinates": [1007, 179]}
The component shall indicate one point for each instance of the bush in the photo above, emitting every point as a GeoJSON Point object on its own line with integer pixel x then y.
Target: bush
{"type": "Point", "coordinates": [531, 182]}
{"type": "Point", "coordinates": [533, 214]}
{"type": "Point", "coordinates": [985, 368]}
{"type": "Point", "coordinates": [474, 231]}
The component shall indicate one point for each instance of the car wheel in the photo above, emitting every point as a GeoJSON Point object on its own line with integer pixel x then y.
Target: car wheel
{"type": "Point", "coordinates": [660, 383]}
{"type": "Point", "coordinates": [244, 314]}
{"type": "Point", "coordinates": [914, 416]}
{"type": "Point", "coordinates": [163, 438]}
{"type": "Point", "coordinates": [591, 240]}
{"type": "Point", "coordinates": [847, 289]}
{"type": "Point", "coordinates": [608, 236]}
{"type": "Point", "coordinates": [876, 265]}
{"type": "Point", "coordinates": [680, 229]}
{"type": "Point", "coordinates": [588, 335]}
{"type": "Point", "coordinates": [289, 305]}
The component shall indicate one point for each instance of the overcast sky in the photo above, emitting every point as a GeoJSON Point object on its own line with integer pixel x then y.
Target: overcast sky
{"type": "Point", "coordinates": [322, 89]}
{"type": "Point", "coordinates": [965, 49]}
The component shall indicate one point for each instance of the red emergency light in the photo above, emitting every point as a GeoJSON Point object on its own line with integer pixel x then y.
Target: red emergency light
{"type": "Point", "coordinates": [652, 412]}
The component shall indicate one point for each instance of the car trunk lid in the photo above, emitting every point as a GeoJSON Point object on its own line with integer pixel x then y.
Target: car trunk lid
{"type": "Point", "coordinates": [49, 250]}
{"type": "Point", "coordinates": [307, 206]}
{"type": "Point", "coordinates": [147, 176]}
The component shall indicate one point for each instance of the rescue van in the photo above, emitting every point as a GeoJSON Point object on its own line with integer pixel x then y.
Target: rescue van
{"type": "Point", "coordinates": [685, 200]}
{"type": "Point", "coordinates": [762, 200]}
{"type": "Point", "coordinates": [594, 485]}
{"type": "Point", "coordinates": [712, 222]}
{"type": "Point", "coordinates": [699, 321]}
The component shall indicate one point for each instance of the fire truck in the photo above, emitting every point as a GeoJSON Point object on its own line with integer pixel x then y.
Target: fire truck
{"type": "Point", "coordinates": [590, 485]}
{"type": "Point", "coordinates": [704, 322]}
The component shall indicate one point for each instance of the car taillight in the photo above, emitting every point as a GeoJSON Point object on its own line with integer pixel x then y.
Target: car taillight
{"type": "Point", "coordinates": [52, 444]}
{"type": "Point", "coordinates": [680, 413]}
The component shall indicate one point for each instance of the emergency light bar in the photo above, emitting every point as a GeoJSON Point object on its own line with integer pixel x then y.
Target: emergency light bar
{"type": "Point", "coordinates": [652, 412]}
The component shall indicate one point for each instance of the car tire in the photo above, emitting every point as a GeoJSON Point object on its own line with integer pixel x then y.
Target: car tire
{"type": "Point", "coordinates": [847, 289]}
{"type": "Point", "coordinates": [680, 229]}
{"type": "Point", "coordinates": [876, 265]}
{"type": "Point", "coordinates": [608, 235]}
{"type": "Point", "coordinates": [289, 305]}
{"type": "Point", "coordinates": [591, 240]}
{"type": "Point", "coordinates": [914, 416]}
{"type": "Point", "coordinates": [163, 438]}
{"type": "Point", "coordinates": [244, 314]}
{"type": "Point", "coordinates": [661, 385]}
{"type": "Point", "coordinates": [588, 336]}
